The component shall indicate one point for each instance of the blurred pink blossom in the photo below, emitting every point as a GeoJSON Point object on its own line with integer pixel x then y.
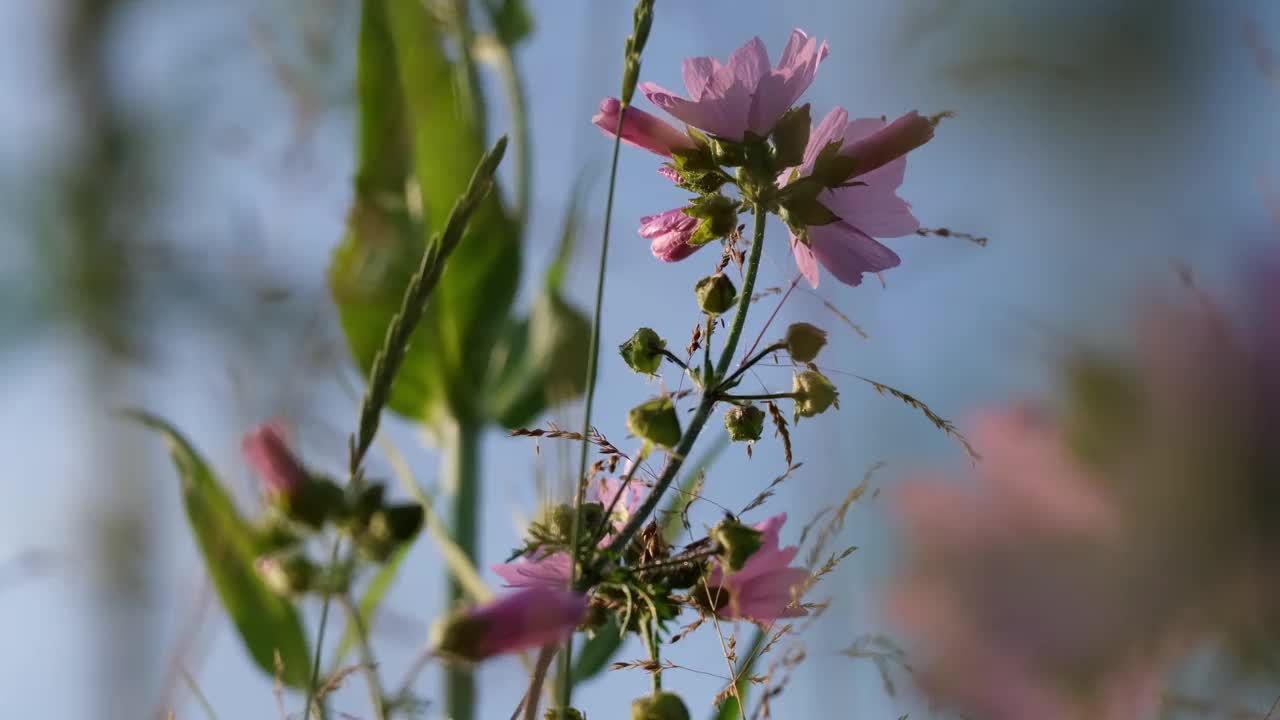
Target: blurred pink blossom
{"type": "Point", "coordinates": [266, 449]}
{"type": "Point", "coordinates": [550, 570]}
{"type": "Point", "coordinates": [531, 618]}
{"type": "Point", "coordinates": [745, 94]}
{"type": "Point", "coordinates": [765, 588]}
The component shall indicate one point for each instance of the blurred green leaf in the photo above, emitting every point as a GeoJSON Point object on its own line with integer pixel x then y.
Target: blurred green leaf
{"type": "Point", "coordinates": [410, 108]}
{"type": "Point", "coordinates": [596, 651]}
{"type": "Point", "coordinates": [267, 622]}
{"type": "Point", "coordinates": [511, 20]}
{"type": "Point", "coordinates": [542, 359]}
{"type": "Point", "coordinates": [372, 600]}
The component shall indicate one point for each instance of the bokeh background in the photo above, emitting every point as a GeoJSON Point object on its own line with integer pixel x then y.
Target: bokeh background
{"type": "Point", "coordinates": [174, 176]}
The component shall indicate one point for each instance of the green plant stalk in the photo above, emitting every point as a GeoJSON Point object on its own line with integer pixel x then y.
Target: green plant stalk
{"type": "Point", "coordinates": [470, 75]}
{"type": "Point", "coordinates": [462, 471]}
{"type": "Point", "coordinates": [708, 401]}
{"type": "Point", "coordinates": [368, 665]}
{"type": "Point", "coordinates": [731, 709]}
{"type": "Point", "coordinates": [565, 666]}
{"type": "Point", "coordinates": [651, 640]}
{"type": "Point", "coordinates": [520, 130]}
{"type": "Point", "coordinates": [324, 623]}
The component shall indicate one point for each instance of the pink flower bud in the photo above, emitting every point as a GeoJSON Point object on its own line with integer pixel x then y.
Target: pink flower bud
{"type": "Point", "coordinates": [641, 129]}
{"type": "Point", "coordinates": [534, 617]}
{"type": "Point", "coordinates": [889, 143]}
{"type": "Point", "coordinates": [670, 233]}
{"type": "Point", "coordinates": [268, 453]}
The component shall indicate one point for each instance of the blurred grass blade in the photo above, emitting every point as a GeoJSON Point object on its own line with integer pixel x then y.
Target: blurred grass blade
{"type": "Point", "coordinates": [371, 601]}
{"type": "Point", "coordinates": [596, 652]}
{"type": "Point", "coordinates": [266, 622]}
{"type": "Point", "coordinates": [543, 360]}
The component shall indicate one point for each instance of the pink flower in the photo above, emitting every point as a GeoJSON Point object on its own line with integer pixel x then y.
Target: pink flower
{"type": "Point", "coordinates": [1022, 593]}
{"type": "Point", "coordinates": [531, 618]}
{"type": "Point", "coordinates": [870, 208]}
{"type": "Point", "coordinates": [609, 488]}
{"type": "Point", "coordinates": [670, 232]}
{"type": "Point", "coordinates": [764, 589]}
{"type": "Point", "coordinates": [267, 452]}
{"type": "Point", "coordinates": [641, 129]}
{"type": "Point", "coordinates": [550, 570]}
{"type": "Point", "coordinates": [744, 95]}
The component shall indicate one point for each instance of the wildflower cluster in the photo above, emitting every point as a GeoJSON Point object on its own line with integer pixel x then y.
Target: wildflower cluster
{"type": "Point", "coordinates": [302, 504]}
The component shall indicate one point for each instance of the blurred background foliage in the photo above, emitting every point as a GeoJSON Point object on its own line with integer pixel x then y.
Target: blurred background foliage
{"type": "Point", "coordinates": [176, 176]}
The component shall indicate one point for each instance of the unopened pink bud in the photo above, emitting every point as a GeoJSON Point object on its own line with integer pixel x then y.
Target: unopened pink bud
{"type": "Point", "coordinates": [889, 143]}
{"type": "Point", "coordinates": [267, 452]}
{"type": "Point", "coordinates": [641, 129]}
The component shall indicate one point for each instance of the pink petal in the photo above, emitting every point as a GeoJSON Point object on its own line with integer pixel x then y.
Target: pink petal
{"type": "Point", "coordinates": [848, 253]}
{"type": "Point", "coordinates": [550, 571]}
{"type": "Point", "coordinates": [831, 128]}
{"type": "Point", "coordinates": [698, 73]}
{"type": "Point", "coordinates": [750, 63]}
{"type": "Point", "coordinates": [806, 262]}
{"type": "Point", "coordinates": [669, 233]}
{"type": "Point", "coordinates": [641, 129]}
{"type": "Point", "coordinates": [534, 617]}
{"type": "Point", "coordinates": [874, 210]}
{"type": "Point", "coordinates": [723, 116]}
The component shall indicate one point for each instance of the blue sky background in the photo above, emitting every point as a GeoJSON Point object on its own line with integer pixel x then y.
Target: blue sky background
{"type": "Point", "coordinates": [1095, 143]}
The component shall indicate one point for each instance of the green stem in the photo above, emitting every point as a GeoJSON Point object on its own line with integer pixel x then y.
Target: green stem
{"type": "Point", "coordinates": [708, 401]}
{"type": "Point", "coordinates": [520, 125]}
{"type": "Point", "coordinates": [651, 640]}
{"type": "Point", "coordinates": [370, 667]}
{"type": "Point", "coordinates": [742, 679]}
{"type": "Point", "coordinates": [565, 666]}
{"type": "Point", "coordinates": [470, 77]}
{"type": "Point", "coordinates": [752, 361]}
{"type": "Point", "coordinates": [324, 624]}
{"type": "Point", "coordinates": [768, 396]}
{"type": "Point", "coordinates": [462, 471]}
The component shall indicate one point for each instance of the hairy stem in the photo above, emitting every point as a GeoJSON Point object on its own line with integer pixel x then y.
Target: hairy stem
{"type": "Point", "coordinates": [708, 401]}
{"type": "Point", "coordinates": [462, 471]}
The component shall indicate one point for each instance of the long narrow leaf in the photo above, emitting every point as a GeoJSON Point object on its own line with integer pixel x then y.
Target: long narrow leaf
{"type": "Point", "coordinates": [267, 623]}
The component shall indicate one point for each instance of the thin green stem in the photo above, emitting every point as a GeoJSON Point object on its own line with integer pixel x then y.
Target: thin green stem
{"type": "Point", "coordinates": [520, 125]}
{"type": "Point", "coordinates": [607, 519]}
{"type": "Point", "coordinates": [368, 665]}
{"type": "Point", "coordinates": [752, 361]}
{"type": "Point", "coordinates": [674, 358]}
{"type": "Point", "coordinates": [470, 79]}
{"type": "Point", "coordinates": [708, 401]}
{"type": "Point", "coordinates": [324, 624]}
{"type": "Point", "coordinates": [651, 640]}
{"type": "Point", "coordinates": [565, 666]}
{"type": "Point", "coordinates": [462, 470]}
{"type": "Point", "coordinates": [769, 396]}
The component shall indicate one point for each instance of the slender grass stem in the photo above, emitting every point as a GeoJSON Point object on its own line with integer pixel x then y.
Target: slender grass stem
{"type": "Point", "coordinates": [462, 470]}
{"type": "Point", "coordinates": [369, 666]}
{"type": "Point", "coordinates": [520, 134]}
{"type": "Point", "coordinates": [324, 624]}
{"type": "Point", "coordinates": [746, 365]}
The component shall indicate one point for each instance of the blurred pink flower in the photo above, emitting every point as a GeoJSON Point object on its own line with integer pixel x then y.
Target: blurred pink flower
{"type": "Point", "coordinates": [550, 570]}
{"type": "Point", "coordinates": [641, 129]}
{"type": "Point", "coordinates": [764, 589]}
{"type": "Point", "coordinates": [1021, 593]}
{"type": "Point", "coordinates": [870, 208]}
{"type": "Point", "coordinates": [746, 94]}
{"type": "Point", "coordinates": [531, 618]}
{"type": "Point", "coordinates": [266, 449]}
{"type": "Point", "coordinates": [608, 489]}
{"type": "Point", "coordinates": [669, 233]}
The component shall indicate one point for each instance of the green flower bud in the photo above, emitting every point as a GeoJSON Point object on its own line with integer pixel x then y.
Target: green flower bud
{"type": "Point", "coordinates": [745, 423]}
{"type": "Point", "coordinates": [791, 136]}
{"type": "Point", "coordinates": [559, 521]}
{"type": "Point", "coordinates": [289, 573]}
{"type": "Point", "coordinates": [314, 501]}
{"type": "Point", "coordinates": [565, 714]}
{"type": "Point", "coordinates": [643, 352]}
{"type": "Point", "coordinates": [655, 421]}
{"type": "Point", "coordinates": [804, 341]}
{"type": "Point", "coordinates": [389, 528]}
{"type": "Point", "coordinates": [716, 294]}
{"type": "Point", "coordinates": [814, 393]}
{"type": "Point", "coordinates": [737, 542]}
{"type": "Point", "coordinates": [659, 706]}
{"type": "Point", "coordinates": [362, 502]}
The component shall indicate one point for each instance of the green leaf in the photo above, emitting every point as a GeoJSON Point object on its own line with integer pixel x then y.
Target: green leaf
{"type": "Point", "coordinates": [372, 600]}
{"type": "Point", "coordinates": [410, 108]}
{"type": "Point", "coordinates": [267, 622]}
{"type": "Point", "coordinates": [542, 360]}
{"type": "Point", "coordinates": [511, 20]}
{"type": "Point", "coordinates": [596, 652]}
